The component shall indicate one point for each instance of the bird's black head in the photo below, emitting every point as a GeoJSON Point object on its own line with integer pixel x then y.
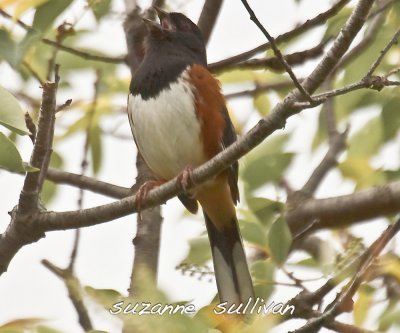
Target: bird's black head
{"type": "Point", "coordinates": [177, 32]}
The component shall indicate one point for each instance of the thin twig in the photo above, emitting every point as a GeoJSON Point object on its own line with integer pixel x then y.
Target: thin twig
{"type": "Point", "coordinates": [84, 54]}
{"type": "Point", "coordinates": [80, 53]}
{"type": "Point", "coordinates": [74, 289]}
{"type": "Point", "coordinates": [275, 63]}
{"type": "Point", "coordinates": [329, 161]}
{"type": "Point", "coordinates": [261, 88]}
{"type": "Point", "coordinates": [382, 54]}
{"type": "Point", "coordinates": [30, 126]}
{"type": "Point", "coordinates": [277, 52]}
{"type": "Point", "coordinates": [33, 72]}
{"type": "Point", "coordinates": [87, 183]}
{"type": "Point", "coordinates": [307, 25]}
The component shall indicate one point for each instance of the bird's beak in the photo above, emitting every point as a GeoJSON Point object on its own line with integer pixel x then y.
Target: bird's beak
{"type": "Point", "coordinates": [162, 14]}
{"type": "Point", "coordinates": [152, 27]}
{"type": "Point", "coordinates": [165, 19]}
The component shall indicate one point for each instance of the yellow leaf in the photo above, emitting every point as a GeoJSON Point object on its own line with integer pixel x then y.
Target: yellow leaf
{"type": "Point", "coordinates": [359, 170]}
{"type": "Point", "coordinates": [362, 304]}
{"type": "Point", "coordinates": [23, 6]}
{"type": "Point", "coordinates": [391, 265]}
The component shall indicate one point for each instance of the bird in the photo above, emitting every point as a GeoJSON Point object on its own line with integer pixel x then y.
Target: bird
{"type": "Point", "coordinates": [179, 120]}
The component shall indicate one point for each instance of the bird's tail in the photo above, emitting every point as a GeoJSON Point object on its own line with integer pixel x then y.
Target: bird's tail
{"type": "Point", "coordinates": [231, 270]}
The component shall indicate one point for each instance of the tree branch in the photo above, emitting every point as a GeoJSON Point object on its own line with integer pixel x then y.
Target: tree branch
{"type": "Point", "coordinates": [309, 24]}
{"type": "Point", "coordinates": [147, 239]}
{"type": "Point", "coordinates": [74, 289]}
{"type": "Point", "coordinates": [208, 18]}
{"type": "Point", "coordinates": [339, 212]}
{"type": "Point", "coordinates": [84, 54]}
{"type": "Point", "coordinates": [328, 162]}
{"type": "Point", "coordinates": [40, 158]}
{"type": "Point", "coordinates": [262, 87]}
{"type": "Point", "coordinates": [277, 52]}
{"type": "Point", "coordinates": [275, 63]}
{"type": "Point", "coordinates": [87, 183]}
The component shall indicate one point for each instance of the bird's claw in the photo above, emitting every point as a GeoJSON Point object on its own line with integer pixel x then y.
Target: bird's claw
{"type": "Point", "coordinates": [143, 190]}
{"type": "Point", "coordinates": [185, 178]}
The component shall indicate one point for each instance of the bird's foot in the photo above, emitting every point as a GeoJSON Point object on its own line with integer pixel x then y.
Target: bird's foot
{"type": "Point", "coordinates": [185, 178]}
{"type": "Point", "coordinates": [144, 189]}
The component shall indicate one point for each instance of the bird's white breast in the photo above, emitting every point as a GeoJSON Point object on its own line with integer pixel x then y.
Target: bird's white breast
{"type": "Point", "coordinates": [167, 130]}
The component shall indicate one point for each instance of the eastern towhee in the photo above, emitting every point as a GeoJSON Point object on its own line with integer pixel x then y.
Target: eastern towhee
{"type": "Point", "coordinates": [179, 121]}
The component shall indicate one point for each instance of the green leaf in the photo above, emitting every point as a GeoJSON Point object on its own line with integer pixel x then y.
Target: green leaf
{"type": "Point", "coordinates": [46, 14]}
{"type": "Point", "coordinates": [391, 118]}
{"type": "Point", "coordinates": [96, 148]}
{"type": "Point", "coordinates": [336, 22]}
{"type": "Point", "coordinates": [199, 252]}
{"type": "Point", "coordinates": [367, 140]}
{"type": "Point", "coordinates": [392, 175]}
{"type": "Point", "coordinates": [105, 297]}
{"type": "Point", "coordinates": [357, 71]}
{"type": "Point", "coordinates": [10, 159]}
{"type": "Point", "coordinates": [254, 233]}
{"type": "Point", "coordinates": [100, 8]}
{"type": "Point", "coordinates": [8, 48]}
{"type": "Point", "coordinates": [20, 325]}
{"type": "Point", "coordinates": [11, 113]}
{"type": "Point", "coordinates": [262, 104]}
{"type": "Point", "coordinates": [46, 329]}
{"type": "Point", "coordinates": [269, 168]}
{"type": "Point", "coordinates": [266, 163]}
{"type": "Point", "coordinates": [388, 319]}
{"type": "Point", "coordinates": [279, 241]}
{"type": "Point", "coordinates": [264, 209]}
{"type": "Point", "coordinates": [263, 277]}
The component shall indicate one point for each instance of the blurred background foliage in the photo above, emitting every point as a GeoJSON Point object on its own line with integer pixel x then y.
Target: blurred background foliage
{"type": "Point", "coordinates": [374, 119]}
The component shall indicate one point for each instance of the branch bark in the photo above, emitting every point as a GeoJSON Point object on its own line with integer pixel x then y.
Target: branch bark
{"type": "Point", "coordinates": [147, 239]}
{"type": "Point", "coordinates": [208, 18]}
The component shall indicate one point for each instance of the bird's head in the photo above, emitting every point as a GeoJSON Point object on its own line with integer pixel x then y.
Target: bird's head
{"type": "Point", "coordinates": [177, 29]}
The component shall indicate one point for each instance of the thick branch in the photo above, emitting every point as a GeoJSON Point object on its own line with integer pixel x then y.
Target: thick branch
{"type": "Point", "coordinates": [147, 239]}
{"type": "Point", "coordinates": [342, 211]}
{"type": "Point", "coordinates": [40, 157]}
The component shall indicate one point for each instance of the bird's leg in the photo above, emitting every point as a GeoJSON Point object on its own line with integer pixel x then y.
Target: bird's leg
{"type": "Point", "coordinates": [185, 178]}
{"type": "Point", "coordinates": [144, 189]}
